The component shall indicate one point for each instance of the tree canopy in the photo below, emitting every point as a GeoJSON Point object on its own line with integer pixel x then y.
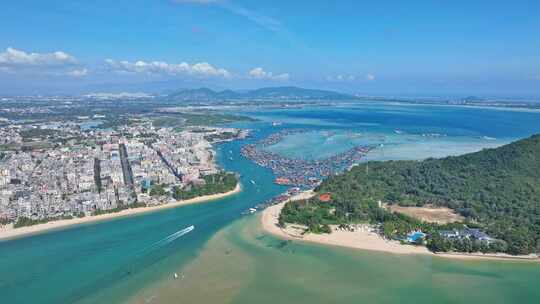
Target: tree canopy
{"type": "Point", "coordinates": [496, 189]}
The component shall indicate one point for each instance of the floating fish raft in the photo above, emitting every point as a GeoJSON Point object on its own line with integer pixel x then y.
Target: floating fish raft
{"type": "Point", "coordinates": [300, 172]}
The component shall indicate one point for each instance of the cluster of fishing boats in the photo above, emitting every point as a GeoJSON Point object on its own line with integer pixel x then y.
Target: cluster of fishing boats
{"type": "Point", "coordinates": [285, 196]}
{"type": "Point", "coordinates": [304, 173]}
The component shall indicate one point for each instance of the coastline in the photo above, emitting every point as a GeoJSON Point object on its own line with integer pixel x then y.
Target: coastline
{"type": "Point", "coordinates": [366, 240]}
{"type": "Point", "coordinates": [9, 233]}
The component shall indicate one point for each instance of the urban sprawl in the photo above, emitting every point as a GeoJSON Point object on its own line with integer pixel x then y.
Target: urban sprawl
{"type": "Point", "coordinates": [64, 170]}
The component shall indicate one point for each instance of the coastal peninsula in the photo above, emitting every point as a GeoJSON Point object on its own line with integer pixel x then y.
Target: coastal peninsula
{"type": "Point", "coordinates": [364, 237]}
{"type": "Point", "coordinates": [360, 207]}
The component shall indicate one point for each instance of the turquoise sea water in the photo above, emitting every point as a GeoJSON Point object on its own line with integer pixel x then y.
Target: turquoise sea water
{"type": "Point", "coordinates": [116, 260]}
{"type": "Point", "coordinates": [242, 264]}
{"type": "Point", "coordinates": [107, 261]}
{"type": "Point", "coordinates": [397, 131]}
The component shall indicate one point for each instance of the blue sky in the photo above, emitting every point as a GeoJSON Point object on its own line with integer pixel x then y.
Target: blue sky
{"type": "Point", "coordinates": [384, 47]}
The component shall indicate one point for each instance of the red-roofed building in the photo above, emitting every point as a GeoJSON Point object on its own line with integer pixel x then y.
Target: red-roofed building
{"type": "Point", "coordinates": [282, 181]}
{"type": "Point", "coordinates": [325, 197]}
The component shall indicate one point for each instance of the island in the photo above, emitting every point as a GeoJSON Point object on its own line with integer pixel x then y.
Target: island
{"type": "Point", "coordinates": [480, 204]}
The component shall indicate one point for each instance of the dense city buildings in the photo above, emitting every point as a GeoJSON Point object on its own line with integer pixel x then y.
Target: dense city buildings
{"type": "Point", "coordinates": [83, 170]}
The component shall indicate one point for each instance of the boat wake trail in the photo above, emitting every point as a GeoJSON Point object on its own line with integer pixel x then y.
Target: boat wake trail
{"type": "Point", "coordinates": [169, 239]}
{"type": "Point", "coordinates": [139, 261]}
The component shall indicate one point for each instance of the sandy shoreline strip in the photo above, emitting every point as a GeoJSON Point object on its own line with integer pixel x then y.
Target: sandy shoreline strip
{"type": "Point", "coordinates": [363, 239]}
{"type": "Point", "coordinates": [8, 232]}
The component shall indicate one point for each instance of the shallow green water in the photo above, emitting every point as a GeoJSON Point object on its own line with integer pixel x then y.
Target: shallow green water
{"type": "Point", "coordinates": [111, 262]}
{"type": "Point", "coordinates": [242, 264]}
{"type": "Point", "coordinates": [106, 262]}
{"type": "Point", "coordinates": [389, 145]}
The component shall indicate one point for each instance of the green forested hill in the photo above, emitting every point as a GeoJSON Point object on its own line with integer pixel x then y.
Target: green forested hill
{"type": "Point", "coordinates": [497, 189]}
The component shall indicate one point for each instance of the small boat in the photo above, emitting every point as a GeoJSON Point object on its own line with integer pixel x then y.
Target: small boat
{"type": "Point", "coordinates": [252, 181]}
{"type": "Point", "coordinates": [175, 275]}
{"type": "Point", "coordinates": [252, 210]}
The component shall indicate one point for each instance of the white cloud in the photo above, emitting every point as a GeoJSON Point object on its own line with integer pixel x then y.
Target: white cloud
{"type": "Point", "coordinates": [263, 21]}
{"type": "Point", "coordinates": [202, 69]}
{"type": "Point", "coordinates": [260, 73]}
{"type": "Point", "coordinates": [266, 22]}
{"type": "Point", "coordinates": [78, 73]}
{"type": "Point", "coordinates": [341, 78]}
{"type": "Point", "coordinates": [349, 78]}
{"type": "Point", "coordinates": [14, 58]}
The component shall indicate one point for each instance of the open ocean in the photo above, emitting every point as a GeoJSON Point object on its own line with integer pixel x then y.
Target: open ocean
{"type": "Point", "coordinates": [227, 258]}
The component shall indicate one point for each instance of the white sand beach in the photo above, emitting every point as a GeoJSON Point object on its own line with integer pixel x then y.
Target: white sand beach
{"type": "Point", "coordinates": [9, 232]}
{"type": "Point", "coordinates": [362, 238]}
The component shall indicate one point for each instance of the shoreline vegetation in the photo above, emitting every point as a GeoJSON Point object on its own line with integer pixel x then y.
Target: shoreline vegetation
{"type": "Point", "coordinates": [8, 232]}
{"type": "Point", "coordinates": [478, 205]}
{"type": "Point", "coordinates": [494, 195]}
{"type": "Point", "coordinates": [363, 238]}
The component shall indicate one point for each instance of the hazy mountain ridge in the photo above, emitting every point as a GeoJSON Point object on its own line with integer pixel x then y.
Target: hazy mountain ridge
{"type": "Point", "coordinates": [207, 94]}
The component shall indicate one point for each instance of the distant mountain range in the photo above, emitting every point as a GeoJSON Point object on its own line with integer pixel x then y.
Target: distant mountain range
{"type": "Point", "coordinates": [290, 93]}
